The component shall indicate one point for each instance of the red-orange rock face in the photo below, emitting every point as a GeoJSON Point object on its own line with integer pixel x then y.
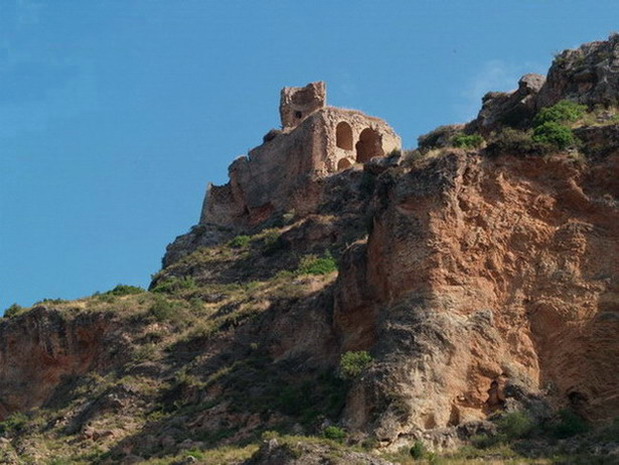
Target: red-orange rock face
{"type": "Point", "coordinates": [482, 274]}
{"type": "Point", "coordinates": [40, 350]}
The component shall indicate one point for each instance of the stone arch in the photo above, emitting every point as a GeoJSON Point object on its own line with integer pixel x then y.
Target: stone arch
{"type": "Point", "coordinates": [369, 145]}
{"type": "Point", "coordinates": [343, 164]}
{"type": "Point", "coordinates": [343, 136]}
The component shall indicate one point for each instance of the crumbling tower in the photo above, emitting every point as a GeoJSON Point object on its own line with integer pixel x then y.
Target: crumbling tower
{"type": "Point", "coordinates": [297, 103]}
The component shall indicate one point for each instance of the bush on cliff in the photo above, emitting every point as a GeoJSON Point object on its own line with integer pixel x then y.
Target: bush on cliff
{"type": "Point", "coordinates": [565, 111]}
{"type": "Point", "coordinates": [318, 265]}
{"type": "Point", "coordinates": [12, 311]}
{"type": "Point", "coordinates": [554, 133]}
{"type": "Point", "coordinates": [353, 363]}
{"type": "Point", "coordinates": [570, 424]}
{"type": "Point", "coordinates": [467, 141]}
{"type": "Point", "coordinates": [239, 242]}
{"type": "Point", "coordinates": [174, 284]}
{"type": "Point", "coordinates": [513, 141]}
{"type": "Point", "coordinates": [124, 289]}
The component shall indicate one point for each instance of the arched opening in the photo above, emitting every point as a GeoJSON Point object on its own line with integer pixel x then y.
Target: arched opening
{"type": "Point", "coordinates": [343, 136]}
{"type": "Point", "coordinates": [369, 145]}
{"type": "Point", "coordinates": [343, 164]}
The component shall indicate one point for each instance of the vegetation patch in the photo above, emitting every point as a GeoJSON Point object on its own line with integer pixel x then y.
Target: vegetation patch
{"type": "Point", "coordinates": [353, 363]}
{"type": "Point", "coordinates": [175, 284]}
{"type": "Point", "coordinates": [467, 141]}
{"type": "Point", "coordinates": [12, 311]}
{"type": "Point", "coordinates": [555, 134]}
{"type": "Point", "coordinates": [240, 242]}
{"type": "Point", "coordinates": [565, 111]}
{"type": "Point", "coordinates": [312, 264]}
{"type": "Point", "coordinates": [124, 289]}
{"type": "Point", "coordinates": [335, 433]}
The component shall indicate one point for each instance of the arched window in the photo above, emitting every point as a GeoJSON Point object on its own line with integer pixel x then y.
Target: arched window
{"type": "Point", "coordinates": [343, 136]}
{"type": "Point", "coordinates": [369, 145]}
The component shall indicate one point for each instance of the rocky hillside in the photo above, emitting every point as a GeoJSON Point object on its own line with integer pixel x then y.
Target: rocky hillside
{"type": "Point", "coordinates": [451, 302]}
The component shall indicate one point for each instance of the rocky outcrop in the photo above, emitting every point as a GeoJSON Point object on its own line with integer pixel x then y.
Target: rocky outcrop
{"type": "Point", "coordinates": [515, 109]}
{"type": "Point", "coordinates": [588, 75]}
{"type": "Point", "coordinates": [42, 349]}
{"type": "Point", "coordinates": [481, 274]}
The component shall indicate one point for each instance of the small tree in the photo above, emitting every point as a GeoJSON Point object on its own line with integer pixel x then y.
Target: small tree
{"type": "Point", "coordinates": [353, 363]}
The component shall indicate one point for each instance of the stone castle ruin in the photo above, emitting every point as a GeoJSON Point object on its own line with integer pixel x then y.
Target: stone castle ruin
{"type": "Point", "coordinates": [315, 141]}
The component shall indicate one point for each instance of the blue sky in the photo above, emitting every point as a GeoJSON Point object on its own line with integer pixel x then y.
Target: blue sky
{"type": "Point", "coordinates": [114, 115]}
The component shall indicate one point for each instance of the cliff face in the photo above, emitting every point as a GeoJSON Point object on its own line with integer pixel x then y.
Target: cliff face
{"type": "Point", "coordinates": [485, 277]}
{"type": "Point", "coordinates": [43, 349]}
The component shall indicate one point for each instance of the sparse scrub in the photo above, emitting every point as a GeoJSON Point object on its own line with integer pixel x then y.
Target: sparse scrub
{"type": "Point", "coordinates": [164, 310]}
{"type": "Point", "coordinates": [570, 424]}
{"type": "Point", "coordinates": [467, 141]}
{"type": "Point", "coordinates": [353, 363]}
{"type": "Point", "coordinates": [272, 241]}
{"type": "Point", "coordinates": [335, 433]}
{"type": "Point", "coordinates": [12, 311]}
{"type": "Point", "coordinates": [312, 264]}
{"type": "Point", "coordinates": [175, 284]}
{"type": "Point", "coordinates": [123, 289]}
{"type": "Point", "coordinates": [418, 451]}
{"type": "Point", "coordinates": [240, 242]}
{"type": "Point", "coordinates": [516, 425]}
{"type": "Point", "coordinates": [513, 141]}
{"type": "Point", "coordinates": [14, 423]}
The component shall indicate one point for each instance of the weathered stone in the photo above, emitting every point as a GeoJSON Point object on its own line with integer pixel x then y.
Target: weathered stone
{"type": "Point", "coordinates": [280, 174]}
{"type": "Point", "coordinates": [285, 172]}
{"type": "Point", "coordinates": [297, 103]}
{"type": "Point", "coordinates": [588, 75]}
{"type": "Point", "coordinates": [515, 109]}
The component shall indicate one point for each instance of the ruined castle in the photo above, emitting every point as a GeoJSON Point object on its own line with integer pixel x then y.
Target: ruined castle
{"type": "Point", "coordinates": [315, 141]}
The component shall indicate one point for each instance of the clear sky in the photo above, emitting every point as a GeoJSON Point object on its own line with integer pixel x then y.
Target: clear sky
{"type": "Point", "coordinates": [114, 115]}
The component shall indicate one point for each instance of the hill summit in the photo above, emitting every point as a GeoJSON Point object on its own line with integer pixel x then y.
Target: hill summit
{"type": "Point", "coordinates": [342, 300]}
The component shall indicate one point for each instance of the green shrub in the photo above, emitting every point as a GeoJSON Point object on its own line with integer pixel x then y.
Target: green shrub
{"type": "Point", "coordinates": [418, 451]}
{"type": "Point", "coordinates": [335, 433]}
{"type": "Point", "coordinates": [513, 141]}
{"type": "Point", "coordinates": [570, 424]}
{"type": "Point", "coordinates": [123, 289]}
{"type": "Point", "coordinates": [239, 242]}
{"type": "Point", "coordinates": [174, 284]}
{"type": "Point", "coordinates": [196, 454]}
{"type": "Point", "coordinates": [467, 141]}
{"type": "Point", "coordinates": [555, 134]}
{"type": "Point", "coordinates": [14, 423]}
{"type": "Point", "coordinates": [515, 425]}
{"type": "Point", "coordinates": [12, 311]}
{"type": "Point", "coordinates": [318, 265]}
{"type": "Point", "coordinates": [163, 310]}
{"type": "Point", "coordinates": [563, 112]}
{"type": "Point", "coordinates": [353, 363]}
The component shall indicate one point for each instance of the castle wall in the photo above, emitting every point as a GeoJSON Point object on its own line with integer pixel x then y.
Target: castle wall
{"type": "Point", "coordinates": [277, 176]}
